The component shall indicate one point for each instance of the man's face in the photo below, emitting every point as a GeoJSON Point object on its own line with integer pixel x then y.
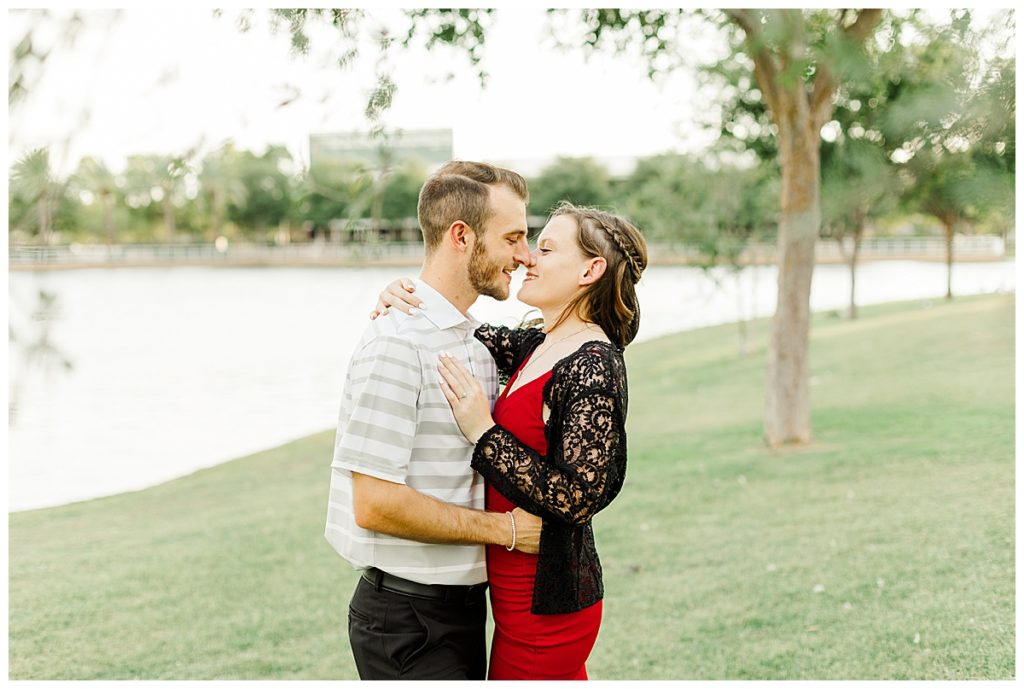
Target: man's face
{"type": "Point", "coordinates": [502, 248]}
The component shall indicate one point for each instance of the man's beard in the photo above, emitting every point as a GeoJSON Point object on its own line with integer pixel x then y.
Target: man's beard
{"type": "Point", "coordinates": [484, 274]}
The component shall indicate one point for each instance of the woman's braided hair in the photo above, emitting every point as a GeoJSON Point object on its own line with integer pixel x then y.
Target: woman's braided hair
{"type": "Point", "coordinates": [628, 250]}
{"type": "Point", "coordinates": [611, 301]}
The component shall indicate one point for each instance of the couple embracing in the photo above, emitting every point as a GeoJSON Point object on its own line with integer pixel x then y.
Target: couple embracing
{"type": "Point", "coordinates": [440, 486]}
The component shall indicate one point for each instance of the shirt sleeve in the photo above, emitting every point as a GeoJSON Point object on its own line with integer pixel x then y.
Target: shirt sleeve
{"type": "Point", "coordinates": [574, 482]}
{"type": "Point", "coordinates": [381, 393]}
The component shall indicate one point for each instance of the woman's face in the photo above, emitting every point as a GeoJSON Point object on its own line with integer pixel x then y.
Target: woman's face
{"type": "Point", "coordinates": [560, 265]}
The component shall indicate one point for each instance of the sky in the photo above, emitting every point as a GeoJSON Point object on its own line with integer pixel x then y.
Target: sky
{"type": "Point", "coordinates": [164, 81]}
{"type": "Point", "coordinates": [168, 80]}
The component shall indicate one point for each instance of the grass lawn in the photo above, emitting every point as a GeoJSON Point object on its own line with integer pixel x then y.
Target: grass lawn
{"type": "Point", "coordinates": [883, 550]}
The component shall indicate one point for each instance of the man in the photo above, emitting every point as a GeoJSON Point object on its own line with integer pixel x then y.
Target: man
{"type": "Point", "coordinates": [405, 507]}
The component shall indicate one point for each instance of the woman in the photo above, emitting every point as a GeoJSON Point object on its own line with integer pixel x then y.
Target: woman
{"type": "Point", "coordinates": [556, 443]}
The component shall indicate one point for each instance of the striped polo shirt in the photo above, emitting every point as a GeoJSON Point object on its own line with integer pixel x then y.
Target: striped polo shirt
{"type": "Point", "coordinates": [395, 424]}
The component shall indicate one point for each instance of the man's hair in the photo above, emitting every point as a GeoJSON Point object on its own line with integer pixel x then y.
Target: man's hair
{"type": "Point", "coordinates": [458, 191]}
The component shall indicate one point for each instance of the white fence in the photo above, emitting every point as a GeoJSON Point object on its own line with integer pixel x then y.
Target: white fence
{"type": "Point", "coordinates": [964, 246]}
{"type": "Point", "coordinates": [410, 253]}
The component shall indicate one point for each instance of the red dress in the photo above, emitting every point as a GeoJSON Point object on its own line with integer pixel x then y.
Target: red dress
{"type": "Point", "coordinates": [528, 646]}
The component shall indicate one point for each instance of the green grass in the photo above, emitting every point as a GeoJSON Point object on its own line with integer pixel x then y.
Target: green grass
{"type": "Point", "coordinates": [900, 513]}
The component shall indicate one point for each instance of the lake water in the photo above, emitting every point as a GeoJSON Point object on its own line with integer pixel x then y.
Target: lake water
{"type": "Point", "coordinates": [176, 369]}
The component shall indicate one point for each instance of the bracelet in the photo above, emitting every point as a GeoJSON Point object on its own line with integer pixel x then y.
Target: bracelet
{"type": "Point", "coordinates": [512, 547]}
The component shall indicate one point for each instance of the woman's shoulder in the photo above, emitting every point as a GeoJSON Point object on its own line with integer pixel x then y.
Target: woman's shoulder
{"type": "Point", "coordinates": [595, 364]}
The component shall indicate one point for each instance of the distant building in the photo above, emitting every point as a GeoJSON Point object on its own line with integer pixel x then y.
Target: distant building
{"type": "Point", "coordinates": [432, 147]}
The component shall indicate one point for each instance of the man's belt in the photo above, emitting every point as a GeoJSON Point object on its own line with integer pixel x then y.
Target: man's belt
{"type": "Point", "coordinates": [449, 593]}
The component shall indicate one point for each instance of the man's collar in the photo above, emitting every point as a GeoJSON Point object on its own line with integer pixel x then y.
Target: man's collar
{"type": "Point", "coordinates": [439, 310]}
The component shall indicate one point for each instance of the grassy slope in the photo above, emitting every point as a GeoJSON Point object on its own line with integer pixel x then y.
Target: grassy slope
{"type": "Point", "coordinates": [900, 512]}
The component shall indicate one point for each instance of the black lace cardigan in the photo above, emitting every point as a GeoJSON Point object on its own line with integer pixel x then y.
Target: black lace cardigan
{"type": "Point", "coordinates": [582, 471]}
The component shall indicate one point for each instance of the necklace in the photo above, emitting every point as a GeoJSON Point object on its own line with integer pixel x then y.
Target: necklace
{"type": "Point", "coordinates": [536, 354]}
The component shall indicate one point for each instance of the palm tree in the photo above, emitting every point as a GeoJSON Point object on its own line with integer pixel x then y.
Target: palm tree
{"type": "Point", "coordinates": [33, 181]}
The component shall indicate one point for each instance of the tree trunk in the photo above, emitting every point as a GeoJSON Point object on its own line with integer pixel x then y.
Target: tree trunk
{"type": "Point", "coordinates": [43, 213]}
{"type": "Point", "coordinates": [217, 205]}
{"type": "Point", "coordinates": [850, 259]}
{"type": "Point", "coordinates": [44, 223]}
{"type": "Point", "coordinates": [787, 404]}
{"type": "Point", "coordinates": [741, 320]}
{"type": "Point", "coordinates": [948, 225]}
{"type": "Point", "coordinates": [108, 219]}
{"type": "Point", "coordinates": [852, 312]}
{"type": "Point", "coordinates": [376, 211]}
{"type": "Point", "coordinates": [168, 217]}
{"type": "Point", "coordinates": [858, 233]}
{"type": "Point", "coordinates": [799, 116]}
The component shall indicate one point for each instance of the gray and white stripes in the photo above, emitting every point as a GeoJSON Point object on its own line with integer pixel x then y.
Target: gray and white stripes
{"type": "Point", "coordinates": [395, 424]}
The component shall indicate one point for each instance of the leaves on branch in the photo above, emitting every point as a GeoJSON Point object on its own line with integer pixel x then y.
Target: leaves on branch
{"type": "Point", "coordinates": [460, 28]}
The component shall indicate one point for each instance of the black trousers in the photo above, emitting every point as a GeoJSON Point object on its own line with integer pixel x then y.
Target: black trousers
{"type": "Point", "coordinates": [397, 636]}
